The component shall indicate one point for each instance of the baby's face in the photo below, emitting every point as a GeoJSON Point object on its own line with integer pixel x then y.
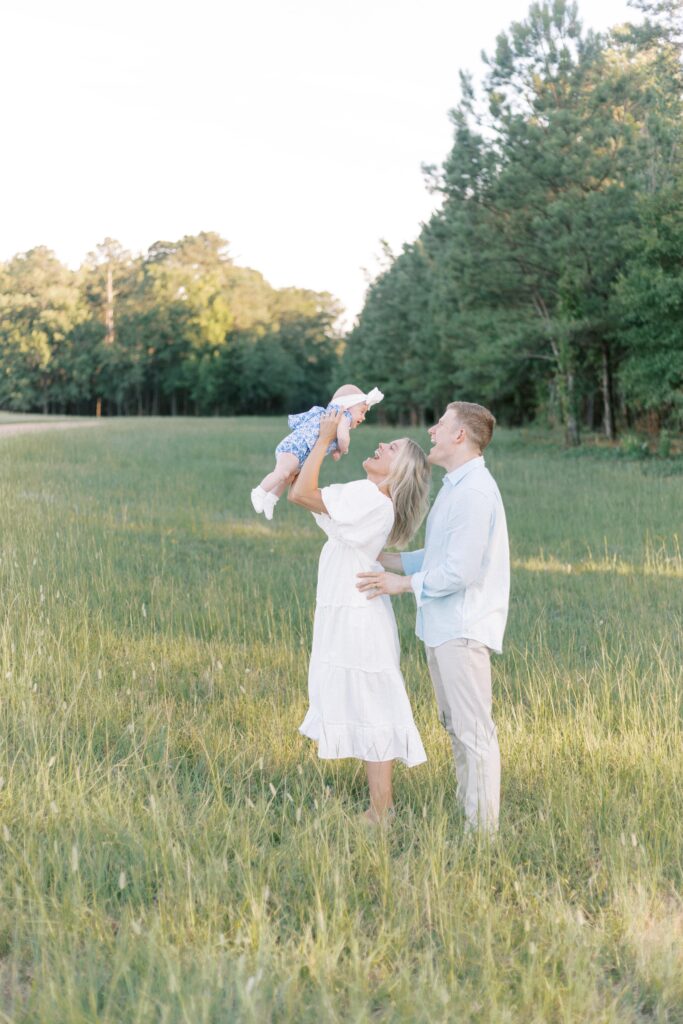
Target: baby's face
{"type": "Point", "coordinates": [358, 413]}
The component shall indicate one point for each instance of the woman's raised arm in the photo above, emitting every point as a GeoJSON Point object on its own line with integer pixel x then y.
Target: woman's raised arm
{"type": "Point", "coordinates": [305, 491]}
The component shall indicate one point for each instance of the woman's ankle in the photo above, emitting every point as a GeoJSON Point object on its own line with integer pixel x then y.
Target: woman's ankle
{"type": "Point", "coordinates": [379, 814]}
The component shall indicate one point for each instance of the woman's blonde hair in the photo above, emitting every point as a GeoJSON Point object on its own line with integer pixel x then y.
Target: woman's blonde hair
{"type": "Point", "coordinates": [408, 484]}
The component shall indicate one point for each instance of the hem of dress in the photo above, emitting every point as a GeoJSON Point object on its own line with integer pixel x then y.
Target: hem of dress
{"type": "Point", "coordinates": [365, 743]}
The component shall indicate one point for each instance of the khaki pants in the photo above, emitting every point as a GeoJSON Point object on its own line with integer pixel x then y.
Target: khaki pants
{"type": "Point", "coordinates": [461, 674]}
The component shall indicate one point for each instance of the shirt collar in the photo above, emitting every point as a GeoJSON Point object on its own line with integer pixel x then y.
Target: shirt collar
{"type": "Point", "coordinates": [456, 475]}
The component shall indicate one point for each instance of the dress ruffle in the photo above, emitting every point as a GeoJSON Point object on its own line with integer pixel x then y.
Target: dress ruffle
{"type": "Point", "coordinates": [360, 712]}
{"type": "Point", "coordinates": [368, 743]}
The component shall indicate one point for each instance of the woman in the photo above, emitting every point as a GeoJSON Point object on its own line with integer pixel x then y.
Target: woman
{"type": "Point", "coordinates": [358, 702]}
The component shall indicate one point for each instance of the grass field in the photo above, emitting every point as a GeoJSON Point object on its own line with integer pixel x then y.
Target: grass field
{"type": "Point", "coordinates": [7, 418]}
{"type": "Point", "coordinates": [173, 851]}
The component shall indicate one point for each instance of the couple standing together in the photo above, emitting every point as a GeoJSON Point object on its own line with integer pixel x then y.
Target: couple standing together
{"type": "Point", "coordinates": [358, 703]}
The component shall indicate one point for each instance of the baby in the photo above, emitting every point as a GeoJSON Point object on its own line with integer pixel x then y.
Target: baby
{"type": "Point", "coordinates": [292, 451]}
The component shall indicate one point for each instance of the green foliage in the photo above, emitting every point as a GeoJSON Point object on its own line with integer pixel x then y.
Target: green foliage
{"type": "Point", "coordinates": [633, 446]}
{"type": "Point", "coordinates": [41, 312]}
{"type": "Point", "coordinates": [664, 446]}
{"type": "Point", "coordinates": [180, 329]}
{"type": "Point", "coordinates": [550, 278]}
{"type": "Point", "coordinates": [649, 299]}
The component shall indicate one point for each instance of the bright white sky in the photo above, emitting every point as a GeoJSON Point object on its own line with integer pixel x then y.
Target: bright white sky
{"type": "Point", "coordinates": [294, 128]}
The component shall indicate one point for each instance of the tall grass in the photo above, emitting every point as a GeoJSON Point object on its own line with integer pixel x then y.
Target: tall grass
{"type": "Point", "coordinates": [172, 850]}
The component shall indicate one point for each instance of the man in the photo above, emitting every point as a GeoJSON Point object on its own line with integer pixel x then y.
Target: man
{"type": "Point", "coordinates": [461, 581]}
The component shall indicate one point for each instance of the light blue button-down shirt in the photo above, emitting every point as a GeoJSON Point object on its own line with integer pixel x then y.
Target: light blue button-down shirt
{"type": "Point", "coordinates": [461, 578]}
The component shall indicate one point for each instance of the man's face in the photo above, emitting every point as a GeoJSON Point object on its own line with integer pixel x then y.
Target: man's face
{"type": "Point", "coordinates": [445, 437]}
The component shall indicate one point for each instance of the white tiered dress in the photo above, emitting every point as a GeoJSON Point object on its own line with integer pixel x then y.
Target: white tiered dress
{"type": "Point", "coordinates": [358, 705]}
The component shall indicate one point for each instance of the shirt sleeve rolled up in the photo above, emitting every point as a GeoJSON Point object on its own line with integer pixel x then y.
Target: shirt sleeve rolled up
{"type": "Point", "coordinates": [468, 531]}
{"type": "Point", "coordinates": [412, 561]}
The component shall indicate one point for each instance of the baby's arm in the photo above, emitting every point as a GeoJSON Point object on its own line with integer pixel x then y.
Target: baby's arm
{"type": "Point", "coordinates": [343, 435]}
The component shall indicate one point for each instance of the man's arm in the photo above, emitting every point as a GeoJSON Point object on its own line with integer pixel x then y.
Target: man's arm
{"type": "Point", "coordinates": [411, 561]}
{"type": "Point", "coordinates": [406, 562]}
{"type": "Point", "coordinates": [468, 534]}
{"type": "Point", "coordinates": [467, 539]}
{"type": "Point", "coordinates": [391, 560]}
{"type": "Point", "coordinates": [374, 584]}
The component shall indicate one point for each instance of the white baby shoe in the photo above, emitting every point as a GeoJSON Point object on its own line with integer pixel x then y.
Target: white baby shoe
{"type": "Point", "coordinates": [269, 503]}
{"type": "Point", "coordinates": [258, 496]}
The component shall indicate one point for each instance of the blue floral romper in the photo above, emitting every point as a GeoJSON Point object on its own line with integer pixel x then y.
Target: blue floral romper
{"type": "Point", "coordinates": [305, 427]}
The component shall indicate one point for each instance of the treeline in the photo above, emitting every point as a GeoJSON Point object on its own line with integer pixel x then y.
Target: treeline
{"type": "Point", "coordinates": [178, 330]}
{"type": "Point", "coordinates": [549, 284]}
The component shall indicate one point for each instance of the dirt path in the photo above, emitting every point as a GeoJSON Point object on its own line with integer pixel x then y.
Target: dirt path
{"type": "Point", "coordinates": [14, 429]}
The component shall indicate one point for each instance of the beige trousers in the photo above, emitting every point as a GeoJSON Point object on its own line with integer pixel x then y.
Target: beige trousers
{"type": "Point", "coordinates": [461, 674]}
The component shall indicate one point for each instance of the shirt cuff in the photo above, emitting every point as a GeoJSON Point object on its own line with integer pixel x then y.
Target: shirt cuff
{"type": "Point", "coordinates": [412, 561]}
{"type": "Point", "coordinates": [417, 583]}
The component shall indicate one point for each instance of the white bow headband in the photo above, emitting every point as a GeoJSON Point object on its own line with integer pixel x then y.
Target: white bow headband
{"type": "Point", "coordinates": [372, 398]}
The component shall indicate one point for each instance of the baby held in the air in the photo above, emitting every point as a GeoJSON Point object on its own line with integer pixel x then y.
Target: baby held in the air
{"type": "Point", "coordinates": [292, 451]}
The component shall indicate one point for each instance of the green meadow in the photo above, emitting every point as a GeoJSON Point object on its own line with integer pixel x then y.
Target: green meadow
{"type": "Point", "coordinates": [172, 849]}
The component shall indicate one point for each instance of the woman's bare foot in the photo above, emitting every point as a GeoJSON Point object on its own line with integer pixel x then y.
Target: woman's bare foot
{"type": "Point", "coordinates": [371, 817]}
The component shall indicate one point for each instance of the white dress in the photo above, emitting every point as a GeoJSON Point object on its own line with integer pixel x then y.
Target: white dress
{"type": "Point", "coordinates": [358, 705]}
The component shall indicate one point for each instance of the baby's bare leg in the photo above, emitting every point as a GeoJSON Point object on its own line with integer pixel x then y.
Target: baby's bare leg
{"type": "Point", "coordinates": [286, 466]}
{"type": "Point", "coordinates": [288, 482]}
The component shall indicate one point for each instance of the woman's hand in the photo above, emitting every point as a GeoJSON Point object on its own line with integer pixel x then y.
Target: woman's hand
{"type": "Point", "coordinates": [329, 422]}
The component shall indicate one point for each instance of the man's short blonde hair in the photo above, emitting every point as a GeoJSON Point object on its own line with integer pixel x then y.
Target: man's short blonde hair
{"type": "Point", "coordinates": [477, 421]}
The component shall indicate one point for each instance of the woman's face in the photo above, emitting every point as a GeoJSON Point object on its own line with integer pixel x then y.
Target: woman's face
{"type": "Point", "coordinates": [378, 466]}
